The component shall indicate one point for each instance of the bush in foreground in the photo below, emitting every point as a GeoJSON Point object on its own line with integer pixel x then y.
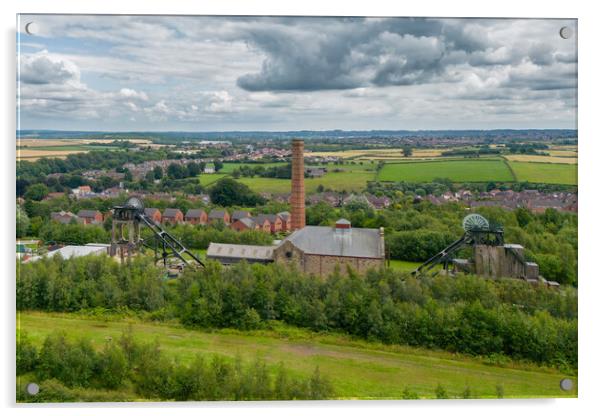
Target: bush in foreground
{"type": "Point", "coordinates": [73, 371]}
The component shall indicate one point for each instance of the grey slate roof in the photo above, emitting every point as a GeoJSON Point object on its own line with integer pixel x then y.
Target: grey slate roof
{"type": "Point", "coordinates": [353, 242]}
{"type": "Point", "coordinates": [194, 213]}
{"type": "Point", "coordinates": [63, 217]}
{"type": "Point", "coordinates": [217, 214]}
{"type": "Point", "coordinates": [237, 215]}
{"type": "Point", "coordinates": [171, 212]}
{"type": "Point", "coordinates": [285, 215]}
{"type": "Point", "coordinates": [87, 213]}
{"type": "Point", "coordinates": [240, 251]}
{"type": "Point", "coordinates": [270, 217]}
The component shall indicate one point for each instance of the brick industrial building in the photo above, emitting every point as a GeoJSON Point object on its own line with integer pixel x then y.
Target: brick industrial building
{"type": "Point", "coordinates": [316, 250]}
{"type": "Point", "coordinates": [319, 250]}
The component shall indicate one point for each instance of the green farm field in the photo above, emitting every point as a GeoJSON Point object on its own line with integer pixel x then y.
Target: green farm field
{"type": "Point", "coordinates": [455, 170]}
{"type": "Point", "coordinates": [357, 369]}
{"type": "Point", "coordinates": [337, 181]}
{"type": "Point", "coordinates": [208, 179]}
{"type": "Point", "coordinates": [564, 174]}
{"type": "Point", "coordinates": [352, 179]}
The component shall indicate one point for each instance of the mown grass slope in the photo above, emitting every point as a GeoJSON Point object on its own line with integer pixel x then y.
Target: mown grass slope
{"type": "Point", "coordinates": [357, 369]}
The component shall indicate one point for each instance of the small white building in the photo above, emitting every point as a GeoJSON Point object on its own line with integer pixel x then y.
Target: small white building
{"type": "Point", "coordinates": [68, 252]}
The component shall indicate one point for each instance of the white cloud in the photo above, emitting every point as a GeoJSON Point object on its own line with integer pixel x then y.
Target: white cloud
{"type": "Point", "coordinates": [186, 72]}
{"type": "Point", "coordinates": [44, 68]}
{"type": "Point", "coordinates": [219, 102]}
{"type": "Point", "coordinates": [133, 94]}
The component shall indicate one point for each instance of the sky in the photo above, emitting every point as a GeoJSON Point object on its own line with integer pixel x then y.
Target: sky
{"type": "Point", "coordinates": [212, 73]}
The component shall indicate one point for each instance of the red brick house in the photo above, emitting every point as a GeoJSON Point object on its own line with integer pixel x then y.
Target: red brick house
{"type": "Point", "coordinates": [172, 216]}
{"type": "Point", "coordinates": [244, 224]}
{"type": "Point", "coordinates": [88, 216]}
{"type": "Point", "coordinates": [65, 217]}
{"type": "Point", "coordinates": [285, 217]}
{"type": "Point", "coordinates": [219, 215]}
{"type": "Point", "coordinates": [274, 220]}
{"type": "Point", "coordinates": [196, 216]}
{"type": "Point", "coordinates": [154, 214]}
{"type": "Point", "coordinates": [263, 224]}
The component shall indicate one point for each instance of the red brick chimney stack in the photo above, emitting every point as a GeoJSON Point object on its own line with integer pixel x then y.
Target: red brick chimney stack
{"type": "Point", "coordinates": [298, 187]}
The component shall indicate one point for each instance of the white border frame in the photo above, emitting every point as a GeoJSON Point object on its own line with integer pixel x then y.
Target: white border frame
{"type": "Point", "coordinates": [590, 199]}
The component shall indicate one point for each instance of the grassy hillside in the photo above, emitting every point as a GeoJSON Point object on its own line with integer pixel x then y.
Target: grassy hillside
{"type": "Point", "coordinates": [357, 369]}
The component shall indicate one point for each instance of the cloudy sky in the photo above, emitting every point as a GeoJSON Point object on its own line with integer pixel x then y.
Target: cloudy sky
{"type": "Point", "coordinates": [253, 73]}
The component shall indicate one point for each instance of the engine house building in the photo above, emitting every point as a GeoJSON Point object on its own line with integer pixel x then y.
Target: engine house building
{"type": "Point", "coordinates": [320, 250]}
{"type": "Point", "coordinates": [314, 249]}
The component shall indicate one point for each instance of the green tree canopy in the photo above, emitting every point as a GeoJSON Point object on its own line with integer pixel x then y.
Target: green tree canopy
{"type": "Point", "coordinates": [36, 192]}
{"type": "Point", "coordinates": [228, 192]}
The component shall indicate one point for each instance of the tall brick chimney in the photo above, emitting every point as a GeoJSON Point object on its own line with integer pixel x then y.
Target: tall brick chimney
{"type": "Point", "coordinates": [298, 187]}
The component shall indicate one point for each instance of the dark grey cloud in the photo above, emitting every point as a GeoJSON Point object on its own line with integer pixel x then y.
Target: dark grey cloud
{"type": "Point", "coordinates": [298, 61]}
{"type": "Point", "coordinates": [346, 54]}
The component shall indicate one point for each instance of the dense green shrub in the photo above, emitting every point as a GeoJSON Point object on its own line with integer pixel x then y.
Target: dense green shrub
{"type": "Point", "coordinates": [112, 366]}
{"type": "Point", "coordinates": [199, 237]}
{"type": "Point", "coordinates": [27, 354]}
{"type": "Point", "coordinates": [76, 234]}
{"type": "Point", "coordinates": [418, 245]}
{"type": "Point", "coordinates": [65, 367]}
{"type": "Point", "coordinates": [74, 364]}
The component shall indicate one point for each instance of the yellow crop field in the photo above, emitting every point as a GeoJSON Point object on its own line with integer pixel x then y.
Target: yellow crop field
{"type": "Point", "coordinates": [34, 149]}
{"type": "Point", "coordinates": [569, 153]}
{"type": "Point", "coordinates": [71, 142]}
{"type": "Point", "coordinates": [40, 142]}
{"type": "Point", "coordinates": [542, 159]}
{"type": "Point", "coordinates": [375, 154]}
{"type": "Point", "coordinates": [571, 147]}
{"type": "Point", "coordinates": [33, 155]}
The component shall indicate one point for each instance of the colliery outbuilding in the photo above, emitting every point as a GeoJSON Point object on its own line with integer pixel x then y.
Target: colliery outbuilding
{"type": "Point", "coordinates": [234, 253]}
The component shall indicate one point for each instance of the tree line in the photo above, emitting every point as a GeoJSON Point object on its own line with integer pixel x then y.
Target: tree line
{"type": "Point", "coordinates": [250, 171]}
{"type": "Point", "coordinates": [466, 314]}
